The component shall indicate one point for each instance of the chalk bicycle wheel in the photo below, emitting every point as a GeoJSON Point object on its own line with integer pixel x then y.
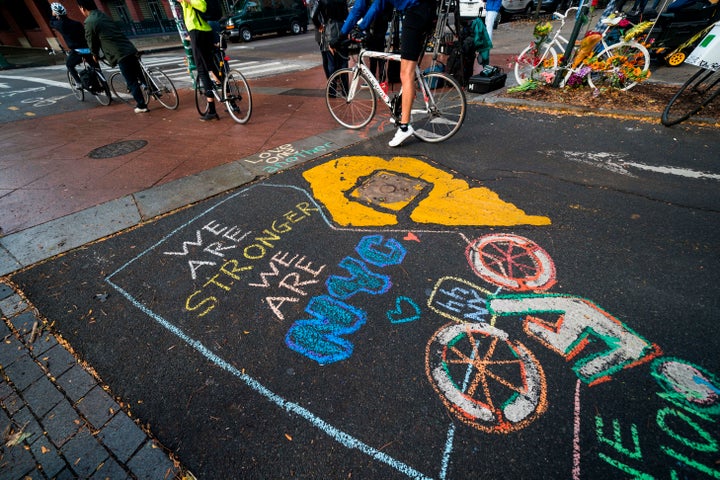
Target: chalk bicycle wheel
{"type": "Point", "coordinates": [512, 262]}
{"type": "Point", "coordinates": [486, 380]}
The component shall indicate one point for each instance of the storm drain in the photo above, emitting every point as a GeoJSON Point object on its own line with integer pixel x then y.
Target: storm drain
{"type": "Point", "coordinates": [117, 149]}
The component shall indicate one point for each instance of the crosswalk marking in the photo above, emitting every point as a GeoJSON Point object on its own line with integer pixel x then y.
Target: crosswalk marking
{"type": "Point", "coordinates": [176, 68]}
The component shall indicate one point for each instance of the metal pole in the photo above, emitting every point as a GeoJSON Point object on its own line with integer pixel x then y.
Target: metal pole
{"type": "Point", "coordinates": [579, 20]}
{"type": "Point", "coordinates": [184, 37]}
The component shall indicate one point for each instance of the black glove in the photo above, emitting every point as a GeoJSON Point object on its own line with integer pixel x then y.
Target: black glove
{"type": "Point", "coordinates": [357, 35]}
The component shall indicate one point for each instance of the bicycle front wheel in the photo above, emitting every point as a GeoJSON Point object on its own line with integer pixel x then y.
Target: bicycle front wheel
{"type": "Point", "coordinates": [76, 88]}
{"type": "Point", "coordinates": [350, 98]}
{"type": "Point", "coordinates": [238, 98]}
{"type": "Point", "coordinates": [162, 88]}
{"type": "Point", "coordinates": [440, 114]}
{"type": "Point", "coordinates": [621, 66]}
{"type": "Point", "coordinates": [529, 65]}
{"type": "Point", "coordinates": [693, 96]}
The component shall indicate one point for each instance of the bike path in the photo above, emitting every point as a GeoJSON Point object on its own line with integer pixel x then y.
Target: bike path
{"type": "Point", "coordinates": [494, 306]}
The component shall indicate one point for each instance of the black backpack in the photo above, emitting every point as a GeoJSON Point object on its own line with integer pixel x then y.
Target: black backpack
{"type": "Point", "coordinates": [213, 12]}
{"type": "Point", "coordinates": [89, 81]}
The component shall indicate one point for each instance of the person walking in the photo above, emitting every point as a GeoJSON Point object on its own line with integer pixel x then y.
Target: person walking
{"type": "Point", "coordinates": [492, 10]}
{"type": "Point", "coordinates": [419, 16]}
{"type": "Point", "coordinates": [73, 33]}
{"type": "Point", "coordinates": [202, 44]}
{"type": "Point", "coordinates": [328, 17]}
{"type": "Point", "coordinates": [101, 32]}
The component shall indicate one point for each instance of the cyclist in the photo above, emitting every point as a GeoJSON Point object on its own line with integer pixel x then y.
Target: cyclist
{"type": "Point", "coordinates": [202, 42]}
{"type": "Point", "coordinates": [102, 32]}
{"type": "Point", "coordinates": [73, 34]}
{"type": "Point", "coordinates": [418, 21]}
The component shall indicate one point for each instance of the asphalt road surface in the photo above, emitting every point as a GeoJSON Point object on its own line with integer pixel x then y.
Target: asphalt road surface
{"type": "Point", "coordinates": [535, 298]}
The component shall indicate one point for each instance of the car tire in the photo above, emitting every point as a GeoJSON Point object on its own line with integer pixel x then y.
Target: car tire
{"type": "Point", "coordinates": [295, 27]}
{"type": "Point", "coordinates": [246, 34]}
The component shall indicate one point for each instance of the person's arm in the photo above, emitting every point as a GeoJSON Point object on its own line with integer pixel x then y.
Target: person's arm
{"type": "Point", "coordinates": [92, 38]}
{"type": "Point", "coordinates": [356, 13]}
{"type": "Point", "coordinates": [375, 9]}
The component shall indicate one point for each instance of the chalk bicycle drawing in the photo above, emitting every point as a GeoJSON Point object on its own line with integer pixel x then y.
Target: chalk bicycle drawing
{"type": "Point", "coordinates": [494, 383]}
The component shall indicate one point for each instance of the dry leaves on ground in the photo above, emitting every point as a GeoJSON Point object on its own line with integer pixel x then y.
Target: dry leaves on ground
{"type": "Point", "coordinates": [645, 97]}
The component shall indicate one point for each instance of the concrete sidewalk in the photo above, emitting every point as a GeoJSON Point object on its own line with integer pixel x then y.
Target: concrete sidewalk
{"type": "Point", "coordinates": [59, 195]}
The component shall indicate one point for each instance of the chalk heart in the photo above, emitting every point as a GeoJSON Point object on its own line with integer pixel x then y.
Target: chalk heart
{"type": "Point", "coordinates": [405, 311]}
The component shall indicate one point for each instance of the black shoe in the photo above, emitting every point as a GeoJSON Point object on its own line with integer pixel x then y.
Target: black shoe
{"type": "Point", "coordinates": [209, 116]}
{"type": "Point", "coordinates": [234, 107]}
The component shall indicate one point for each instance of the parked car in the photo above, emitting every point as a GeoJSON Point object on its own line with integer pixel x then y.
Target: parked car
{"type": "Point", "coordinates": [527, 7]}
{"type": "Point", "coordinates": [253, 17]}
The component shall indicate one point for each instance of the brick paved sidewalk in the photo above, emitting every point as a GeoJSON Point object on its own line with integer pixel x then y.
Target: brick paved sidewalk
{"type": "Point", "coordinates": [57, 420]}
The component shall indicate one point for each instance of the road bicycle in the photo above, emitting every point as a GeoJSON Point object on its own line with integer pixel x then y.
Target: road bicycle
{"type": "Point", "coordinates": [93, 80]}
{"type": "Point", "coordinates": [437, 113]}
{"type": "Point", "coordinates": [155, 85]}
{"type": "Point", "coordinates": [694, 95]}
{"type": "Point", "coordinates": [619, 65]}
{"type": "Point", "coordinates": [229, 87]}
{"type": "Point", "coordinates": [701, 88]}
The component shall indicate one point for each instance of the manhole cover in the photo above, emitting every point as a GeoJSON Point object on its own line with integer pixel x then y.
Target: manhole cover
{"type": "Point", "coordinates": [389, 190]}
{"type": "Point", "coordinates": [117, 149]}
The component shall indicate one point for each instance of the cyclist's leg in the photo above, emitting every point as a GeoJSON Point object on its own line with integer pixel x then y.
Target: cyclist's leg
{"type": "Point", "coordinates": [73, 60]}
{"type": "Point", "coordinates": [132, 72]}
{"type": "Point", "coordinates": [418, 22]}
{"type": "Point", "coordinates": [202, 49]}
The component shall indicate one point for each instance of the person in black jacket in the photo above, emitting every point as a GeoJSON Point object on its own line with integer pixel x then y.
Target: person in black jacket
{"type": "Point", "coordinates": [328, 17]}
{"type": "Point", "coordinates": [73, 32]}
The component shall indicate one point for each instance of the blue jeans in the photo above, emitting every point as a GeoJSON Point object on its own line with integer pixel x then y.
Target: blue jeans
{"type": "Point", "coordinates": [131, 71]}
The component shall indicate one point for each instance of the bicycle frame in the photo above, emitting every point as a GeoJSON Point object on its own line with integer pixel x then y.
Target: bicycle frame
{"type": "Point", "coordinates": [395, 57]}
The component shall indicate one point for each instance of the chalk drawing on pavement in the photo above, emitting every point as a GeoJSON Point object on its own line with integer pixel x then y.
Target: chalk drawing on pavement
{"type": "Point", "coordinates": [407, 186]}
{"type": "Point", "coordinates": [488, 381]}
{"type": "Point", "coordinates": [512, 262]}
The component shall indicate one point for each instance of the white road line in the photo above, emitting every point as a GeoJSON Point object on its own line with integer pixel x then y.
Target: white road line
{"type": "Point", "coordinates": [45, 81]}
{"type": "Point", "coordinates": [615, 162]}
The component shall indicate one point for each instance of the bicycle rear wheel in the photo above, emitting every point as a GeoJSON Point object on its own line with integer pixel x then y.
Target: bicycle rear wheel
{"type": "Point", "coordinates": [697, 92]}
{"type": "Point", "coordinates": [350, 98]}
{"type": "Point", "coordinates": [119, 88]}
{"type": "Point", "coordinates": [104, 96]}
{"type": "Point", "coordinates": [162, 88]}
{"type": "Point", "coordinates": [529, 65]}
{"type": "Point", "coordinates": [76, 88]}
{"type": "Point", "coordinates": [201, 102]}
{"type": "Point", "coordinates": [624, 61]}
{"type": "Point", "coordinates": [238, 98]}
{"type": "Point", "coordinates": [441, 115]}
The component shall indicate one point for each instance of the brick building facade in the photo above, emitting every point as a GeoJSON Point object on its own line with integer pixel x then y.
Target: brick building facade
{"type": "Point", "coordinates": [25, 23]}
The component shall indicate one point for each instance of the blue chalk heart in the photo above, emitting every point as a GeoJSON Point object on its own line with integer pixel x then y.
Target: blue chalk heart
{"type": "Point", "coordinates": [405, 311]}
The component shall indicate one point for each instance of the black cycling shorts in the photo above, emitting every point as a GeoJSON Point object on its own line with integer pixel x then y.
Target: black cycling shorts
{"type": "Point", "coordinates": [418, 22]}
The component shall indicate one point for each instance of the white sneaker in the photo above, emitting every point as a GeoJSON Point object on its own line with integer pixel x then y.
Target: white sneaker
{"type": "Point", "coordinates": [141, 110]}
{"type": "Point", "coordinates": [401, 136]}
